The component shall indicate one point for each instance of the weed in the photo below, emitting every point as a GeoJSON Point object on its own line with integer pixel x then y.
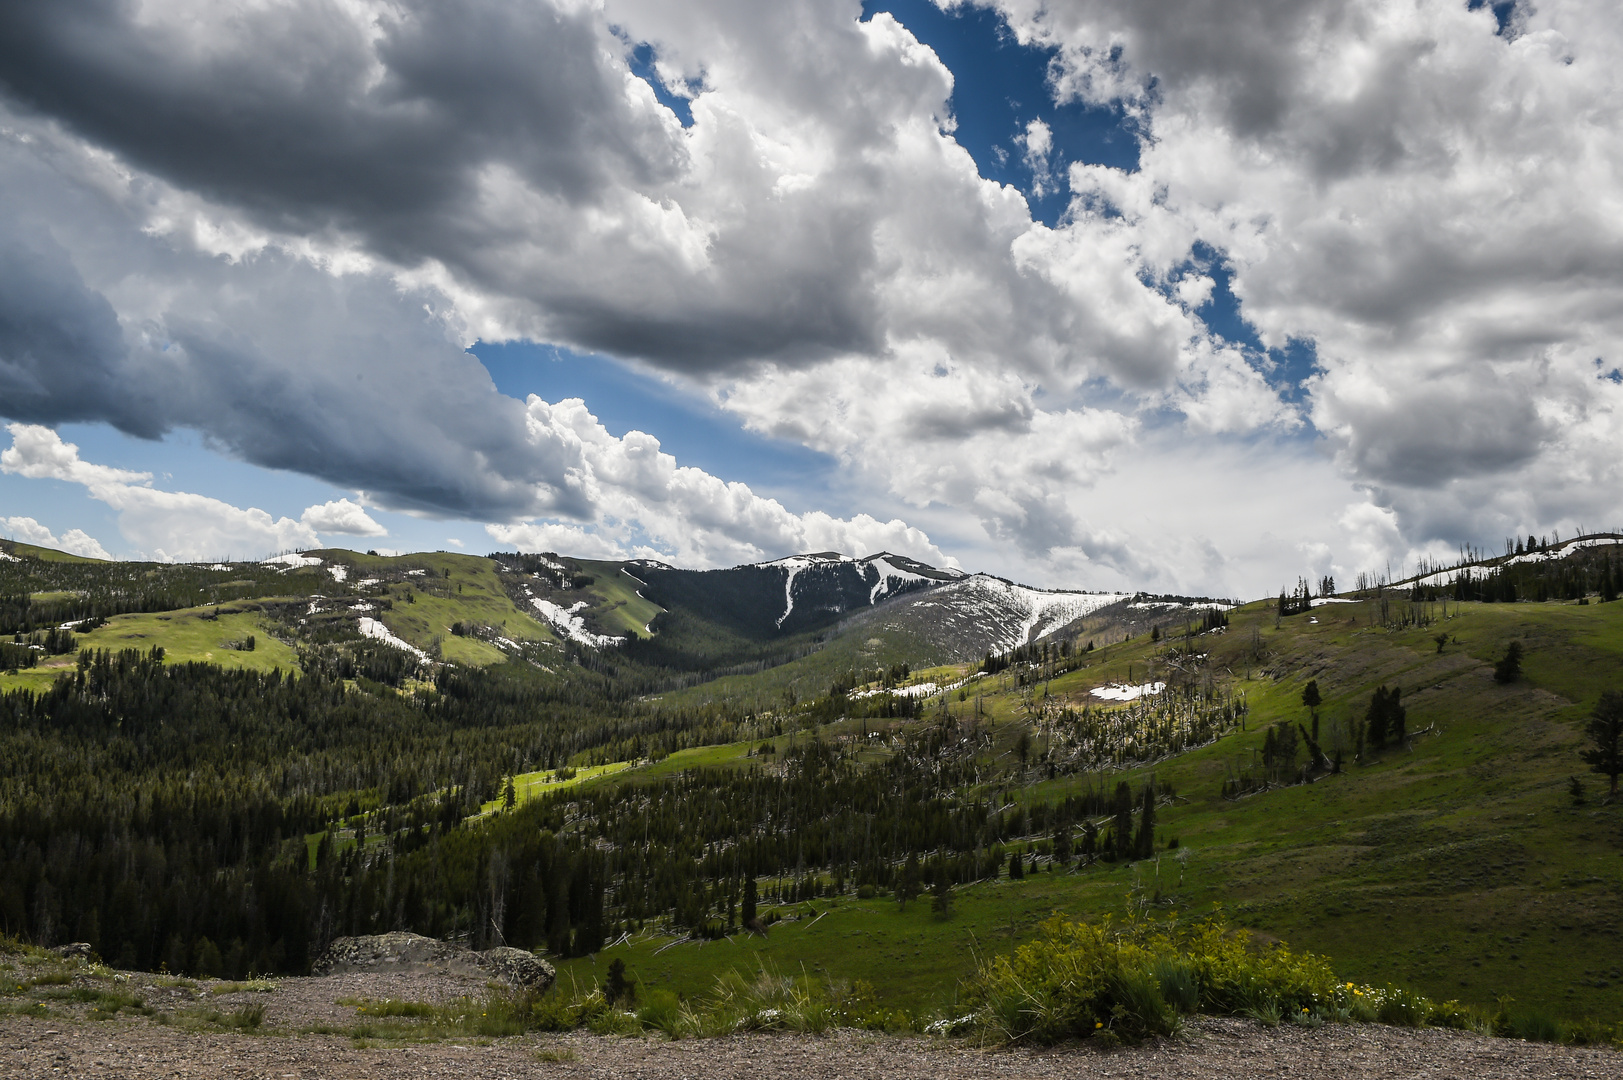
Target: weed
{"type": "Point", "coordinates": [1178, 982]}
{"type": "Point", "coordinates": [1534, 1026]}
{"type": "Point", "coordinates": [51, 978]}
{"type": "Point", "coordinates": [389, 1007]}
{"type": "Point", "coordinates": [663, 1013]}
{"type": "Point", "coordinates": [556, 1054]}
{"type": "Point", "coordinates": [254, 986]}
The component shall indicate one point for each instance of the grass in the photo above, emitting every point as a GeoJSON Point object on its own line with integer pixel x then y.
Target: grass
{"type": "Point", "coordinates": [1456, 865]}
{"type": "Point", "coordinates": [47, 554]}
{"type": "Point", "coordinates": [251, 986]}
{"type": "Point", "coordinates": [188, 634]}
{"type": "Point", "coordinates": [456, 588]}
{"type": "Point", "coordinates": [527, 786]}
{"type": "Point", "coordinates": [618, 609]}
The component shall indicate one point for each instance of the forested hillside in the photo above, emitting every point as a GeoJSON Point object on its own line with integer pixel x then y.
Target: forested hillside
{"type": "Point", "coordinates": [1366, 773]}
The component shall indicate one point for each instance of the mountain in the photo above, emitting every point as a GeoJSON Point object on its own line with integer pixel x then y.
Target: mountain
{"type": "Point", "coordinates": [549, 611]}
{"type": "Point", "coordinates": [671, 734]}
{"type": "Point", "coordinates": [944, 614]}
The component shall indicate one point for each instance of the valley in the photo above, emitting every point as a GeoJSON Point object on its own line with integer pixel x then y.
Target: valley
{"type": "Point", "coordinates": [861, 751]}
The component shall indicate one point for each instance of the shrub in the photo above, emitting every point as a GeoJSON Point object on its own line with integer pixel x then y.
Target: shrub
{"type": "Point", "coordinates": [1179, 984]}
{"type": "Point", "coordinates": [1080, 980]}
{"type": "Point", "coordinates": [662, 1012]}
{"type": "Point", "coordinates": [1535, 1026]}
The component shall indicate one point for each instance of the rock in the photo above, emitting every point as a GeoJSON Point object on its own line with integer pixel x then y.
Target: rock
{"type": "Point", "coordinates": [392, 952]}
{"type": "Point", "coordinates": [400, 951]}
{"type": "Point", "coordinates": [519, 969]}
{"type": "Point", "coordinates": [78, 950]}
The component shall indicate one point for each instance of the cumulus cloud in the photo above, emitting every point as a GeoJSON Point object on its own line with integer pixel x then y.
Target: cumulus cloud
{"type": "Point", "coordinates": [361, 189]}
{"type": "Point", "coordinates": [166, 525]}
{"type": "Point", "coordinates": [342, 516]}
{"type": "Point", "coordinates": [74, 541]}
{"type": "Point", "coordinates": [649, 506]}
{"type": "Point", "coordinates": [1424, 196]}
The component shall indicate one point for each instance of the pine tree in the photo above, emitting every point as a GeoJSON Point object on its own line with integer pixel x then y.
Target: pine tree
{"type": "Point", "coordinates": [940, 892]}
{"type": "Point", "coordinates": [907, 881]}
{"type": "Point", "coordinates": [1375, 719]}
{"type": "Point", "coordinates": [1062, 841]}
{"type": "Point", "coordinates": [1509, 668]}
{"type": "Point", "coordinates": [1605, 732]}
{"type": "Point", "coordinates": [1312, 699]}
{"type": "Point", "coordinates": [1144, 845]}
{"type": "Point", "coordinates": [751, 898]}
{"type": "Point", "coordinates": [1123, 826]}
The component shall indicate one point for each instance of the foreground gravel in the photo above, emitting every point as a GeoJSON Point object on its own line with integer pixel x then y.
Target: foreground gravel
{"type": "Point", "coordinates": [69, 1046]}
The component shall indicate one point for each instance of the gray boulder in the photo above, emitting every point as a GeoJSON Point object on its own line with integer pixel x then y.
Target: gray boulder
{"type": "Point", "coordinates": [405, 952]}
{"type": "Point", "coordinates": [517, 968]}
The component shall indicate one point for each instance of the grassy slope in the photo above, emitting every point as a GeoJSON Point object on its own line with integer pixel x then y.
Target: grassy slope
{"type": "Point", "coordinates": [46, 554]}
{"type": "Point", "coordinates": [1458, 866]}
{"type": "Point", "coordinates": [186, 635]}
{"type": "Point", "coordinates": [618, 608]}
{"type": "Point", "coordinates": [472, 593]}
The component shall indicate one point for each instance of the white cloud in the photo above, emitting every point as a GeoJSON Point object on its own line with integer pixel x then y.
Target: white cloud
{"type": "Point", "coordinates": [74, 541]}
{"type": "Point", "coordinates": [1433, 206]}
{"type": "Point", "coordinates": [646, 505]}
{"type": "Point", "coordinates": [167, 525]}
{"type": "Point", "coordinates": [341, 516]}
{"type": "Point", "coordinates": [40, 454]}
{"type": "Point", "coordinates": [1038, 141]}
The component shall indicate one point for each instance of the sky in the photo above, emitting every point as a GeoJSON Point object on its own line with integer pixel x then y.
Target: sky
{"type": "Point", "coordinates": [1197, 297]}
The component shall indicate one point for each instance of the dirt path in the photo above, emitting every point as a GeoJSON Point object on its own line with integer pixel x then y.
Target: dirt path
{"type": "Point", "coordinates": [142, 1050]}
{"type": "Point", "coordinates": [180, 1028]}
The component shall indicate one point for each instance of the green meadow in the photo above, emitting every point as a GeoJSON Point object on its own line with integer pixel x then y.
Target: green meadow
{"type": "Point", "coordinates": [1458, 864]}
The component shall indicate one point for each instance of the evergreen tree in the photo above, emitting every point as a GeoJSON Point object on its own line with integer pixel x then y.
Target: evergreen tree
{"type": "Point", "coordinates": [1376, 719]}
{"type": "Point", "coordinates": [1509, 668]}
{"type": "Point", "coordinates": [941, 892]}
{"type": "Point", "coordinates": [1386, 720]}
{"type": "Point", "coordinates": [750, 900]}
{"type": "Point", "coordinates": [1017, 866]}
{"type": "Point", "coordinates": [1144, 843]}
{"type": "Point", "coordinates": [907, 881]}
{"type": "Point", "coordinates": [1062, 841]}
{"type": "Point", "coordinates": [1604, 755]}
{"type": "Point", "coordinates": [1123, 825]}
{"type": "Point", "coordinates": [1312, 699]}
{"type": "Point", "coordinates": [617, 987]}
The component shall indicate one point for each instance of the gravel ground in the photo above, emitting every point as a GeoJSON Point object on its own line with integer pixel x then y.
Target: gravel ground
{"type": "Point", "coordinates": [65, 1045]}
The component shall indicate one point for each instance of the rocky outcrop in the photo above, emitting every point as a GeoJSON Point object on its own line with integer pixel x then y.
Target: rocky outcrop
{"type": "Point", "coordinates": [413, 952]}
{"type": "Point", "coordinates": [518, 968]}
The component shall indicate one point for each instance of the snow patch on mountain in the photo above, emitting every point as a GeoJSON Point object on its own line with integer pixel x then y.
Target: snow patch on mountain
{"type": "Point", "coordinates": [375, 630]}
{"type": "Point", "coordinates": [570, 624]}
{"type": "Point", "coordinates": [988, 614]}
{"type": "Point", "coordinates": [1123, 692]}
{"type": "Point", "coordinates": [291, 561]}
{"type": "Point", "coordinates": [792, 567]}
{"type": "Point", "coordinates": [890, 576]}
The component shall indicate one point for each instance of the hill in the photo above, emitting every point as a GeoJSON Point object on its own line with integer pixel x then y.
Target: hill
{"type": "Point", "coordinates": [1130, 755]}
